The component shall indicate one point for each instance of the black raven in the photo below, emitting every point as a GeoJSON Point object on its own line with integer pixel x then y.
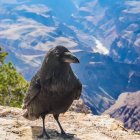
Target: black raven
{"type": "Point", "coordinates": [53, 88]}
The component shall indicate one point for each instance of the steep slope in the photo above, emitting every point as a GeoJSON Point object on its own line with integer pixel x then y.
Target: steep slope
{"type": "Point", "coordinates": [115, 23]}
{"type": "Point", "coordinates": [29, 28]}
{"type": "Point", "coordinates": [103, 79]}
{"type": "Point", "coordinates": [127, 109]}
{"type": "Point", "coordinates": [85, 126]}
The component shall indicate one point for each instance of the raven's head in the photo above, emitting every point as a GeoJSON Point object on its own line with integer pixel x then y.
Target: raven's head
{"type": "Point", "coordinates": [62, 55]}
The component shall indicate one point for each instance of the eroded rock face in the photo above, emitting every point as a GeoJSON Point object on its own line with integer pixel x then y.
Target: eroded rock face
{"type": "Point", "coordinates": [85, 126]}
{"type": "Point", "coordinates": [127, 109]}
{"type": "Point", "coordinates": [79, 107]}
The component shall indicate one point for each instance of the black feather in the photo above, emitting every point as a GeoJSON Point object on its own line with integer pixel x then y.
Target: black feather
{"type": "Point", "coordinates": [54, 87]}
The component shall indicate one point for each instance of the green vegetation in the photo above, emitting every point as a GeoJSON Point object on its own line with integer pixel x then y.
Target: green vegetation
{"type": "Point", "coordinates": [13, 86]}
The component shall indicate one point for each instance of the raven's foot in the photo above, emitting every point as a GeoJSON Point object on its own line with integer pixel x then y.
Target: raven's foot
{"type": "Point", "coordinates": [67, 135]}
{"type": "Point", "coordinates": [44, 135]}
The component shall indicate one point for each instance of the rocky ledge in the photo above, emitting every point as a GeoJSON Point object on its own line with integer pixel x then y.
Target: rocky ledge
{"type": "Point", "coordinates": [84, 126]}
{"type": "Point", "coordinates": [127, 110]}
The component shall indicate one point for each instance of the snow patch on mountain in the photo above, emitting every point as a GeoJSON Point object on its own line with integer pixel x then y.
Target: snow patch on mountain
{"type": "Point", "coordinates": [100, 47]}
{"type": "Point", "coordinates": [133, 7]}
{"type": "Point", "coordinates": [38, 9]}
{"type": "Point", "coordinates": [24, 28]}
{"type": "Point", "coordinates": [32, 60]}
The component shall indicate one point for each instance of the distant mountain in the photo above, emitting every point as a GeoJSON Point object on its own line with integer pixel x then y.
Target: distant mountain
{"type": "Point", "coordinates": [103, 79]}
{"type": "Point", "coordinates": [29, 28]}
{"type": "Point", "coordinates": [90, 29]}
{"type": "Point", "coordinates": [115, 23]}
{"type": "Point", "coordinates": [127, 109]}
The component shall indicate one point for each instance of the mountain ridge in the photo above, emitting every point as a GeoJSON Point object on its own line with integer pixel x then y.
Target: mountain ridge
{"type": "Point", "coordinates": [126, 109]}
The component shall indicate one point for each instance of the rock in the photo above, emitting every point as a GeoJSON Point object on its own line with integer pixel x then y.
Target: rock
{"type": "Point", "coordinates": [79, 107]}
{"type": "Point", "coordinates": [127, 110]}
{"type": "Point", "coordinates": [85, 126]}
{"type": "Point", "coordinates": [4, 113]}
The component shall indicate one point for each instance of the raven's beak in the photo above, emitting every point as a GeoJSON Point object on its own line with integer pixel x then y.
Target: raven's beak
{"type": "Point", "coordinates": [69, 58]}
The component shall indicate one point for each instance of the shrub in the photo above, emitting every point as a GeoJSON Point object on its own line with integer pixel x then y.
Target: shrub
{"type": "Point", "coordinates": [12, 84]}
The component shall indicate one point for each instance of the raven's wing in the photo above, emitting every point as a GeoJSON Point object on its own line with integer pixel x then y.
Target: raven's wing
{"type": "Point", "coordinates": [78, 90]}
{"type": "Point", "coordinates": [33, 90]}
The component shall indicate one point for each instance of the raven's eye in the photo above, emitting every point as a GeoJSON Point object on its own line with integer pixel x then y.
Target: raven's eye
{"type": "Point", "coordinates": [56, 53]}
